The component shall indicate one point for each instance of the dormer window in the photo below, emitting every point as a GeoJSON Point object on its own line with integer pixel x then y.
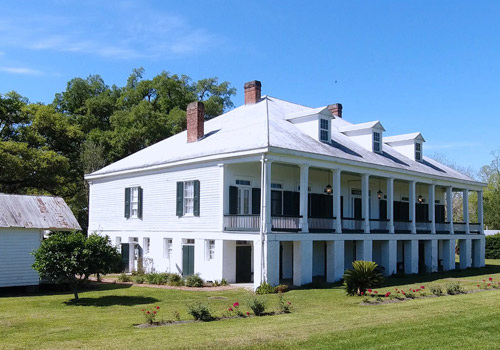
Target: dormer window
{"type": "Point", "coordinates": [324, 130]}
{"type": "Point", "coordinates": [377, 142]}
{"type": "Point", "coordinates": [418, 152]}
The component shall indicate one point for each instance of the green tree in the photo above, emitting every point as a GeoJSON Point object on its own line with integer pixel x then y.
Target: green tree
{"type": "Point", "coordinates": [363, 275]}
{"type": "Point", "coordinates": [72, 258]}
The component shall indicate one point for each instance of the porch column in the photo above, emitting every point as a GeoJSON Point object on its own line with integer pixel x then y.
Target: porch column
{"type": "Point", "coordinates": [389, 257]}
{"type": "Point", "coordinates": [365, 187]}
{"type": "Point", "coordinates": [266, 196]}
{"type": "Point", "coordinates": [466, 211]}
{"type": "Point", "coordinates": [411, 195]}
{"type": "Point", "coordinates": [465, 253]}
{"type": "Point", "coordinates": [224, 205]}
{"type": "Point", "coordinates": [449, 254]}
{"type": "Point", "coordinates": [304, 194]}
{"type": "Point", "coordinates": [364, 250]}
{"type": "Point", "coordinates": [480, 216]}
{"type": "Point", "coordinates": [390, 203]}
{"type": "Point", "coordinates": [411, 256]}
{"type": "Point", "coordinates": [482, 251]}
{"type": "Point", "coordinates": [334, 260]}
{"type": "Point", "coordinates": [449, 205]}
{"type": "Point", "coordinates": [476, 253]}
{"type": "Point", "coordinates": [337, 211]}
{"type": "Point", "coordinates": [258, 263]}
{"type": "Point", "coordinates": [272, 262]}
{"type": "Point", "coordinates": [302, 262]}
{"type": "Point", "coordinates": [431, 255]}
{"type": "Point", "coordinates": [432, 207]}
{"type": "Point", "coordinates": [131, 257]}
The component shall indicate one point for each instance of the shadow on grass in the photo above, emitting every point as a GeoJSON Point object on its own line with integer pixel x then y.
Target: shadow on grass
{"type": "Point", "coordinates": [111, 300]}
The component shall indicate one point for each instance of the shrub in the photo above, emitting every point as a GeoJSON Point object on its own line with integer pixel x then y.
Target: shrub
{"type": "Point", "coordinates": [200, 312]}
{"type": "Point", "coordinates": [124, 278]}
{"type": "Point", "coordinates": [282, 288]}
{"type": "Point", "coordinates": [150, 315]}
{"type": "Point", "coordinates": [157, 278]}
{"type": "Point", "coordinates": [493, 246]}
{"type": "Point", "coordinates": [284, 306]}
{"type": "Point", "coordinates": [194, 281]}
{"type": "Point", "coordinates": [140, 279]}
{"type": "Point", "coordinates": [453, 288]}
{"type": "Point", "coordinates": [258, 306]}
{"type": "Point", "coordinates": [436, 290]}
{"type": "Point", "coordinates": [363, 275]}
{"type": "Point", "coordinates": [410, 295]}
{"type": "Point", "coordinates": [175, 280]}
{"type": "Point", "coordinates": [265, 288]}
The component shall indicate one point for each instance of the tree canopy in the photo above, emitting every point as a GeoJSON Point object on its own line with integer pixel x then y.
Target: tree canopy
{"type": "Point", "coordinates": [47, 149]}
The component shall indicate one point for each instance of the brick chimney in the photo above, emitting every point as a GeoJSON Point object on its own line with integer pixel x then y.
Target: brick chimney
{"type": "Point", "coordinates": [336, 109]}
{"type": "Point", "coordinates": [195, 121]}
{"type": "Point", "coordinates": [252, 92]}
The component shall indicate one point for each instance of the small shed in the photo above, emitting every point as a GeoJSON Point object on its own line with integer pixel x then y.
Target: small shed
{"type": "Point", "coordinates": [23, 221]}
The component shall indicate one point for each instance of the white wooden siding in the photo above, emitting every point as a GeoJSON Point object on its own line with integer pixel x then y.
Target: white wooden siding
{"type": "Point", "coordinates": [15, 258]}
{"type": "Point", "coordinates": [106, 207]}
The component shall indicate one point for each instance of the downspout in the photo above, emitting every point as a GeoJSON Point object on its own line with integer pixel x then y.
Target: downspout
{"type": "Point", "coordinates": [263, 208]}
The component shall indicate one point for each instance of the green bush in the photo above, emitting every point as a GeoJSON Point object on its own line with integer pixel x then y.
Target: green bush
{"type": "Point", "coordinates": [175, 280]}
{"type": "Point", "coordinates": [257, 305]}
{"type": "Point", "coordinates": [193, 281]}
{"type": "Point", "coordinates": [436, 290]}
{"type": "Point", "coordinates": [493, 246]}
{"type": "Point", "coordinates": [140, 279]}
{"type": "Point", "coordinates": [200, 312]}
{"type": "Point", "coordinates": [124, 278]}
{"type": "Point", "coordinates": [265, 288]}
{"type": "Point", "coordinates": [453, 288]}
{"type": "Point", "coordinates": [157, 278]}
{"type": "Point", "coordinates": [364, 275]}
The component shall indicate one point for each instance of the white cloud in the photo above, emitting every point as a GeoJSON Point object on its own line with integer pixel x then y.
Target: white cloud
{"type": "Point", "coordinates": [20, 70]}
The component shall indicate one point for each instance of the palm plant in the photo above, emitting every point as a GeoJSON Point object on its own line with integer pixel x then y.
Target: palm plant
{"type": "Point", "coordinates": [363, 275]}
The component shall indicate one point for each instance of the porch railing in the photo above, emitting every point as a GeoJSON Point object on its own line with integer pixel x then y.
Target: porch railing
{"type": "Point", "coordinates": [475, 228]}
{"type": "Point", "coordinates": [242, 222]}
{"type": "Point", "coordinates": [423, 226]}
{"type": "Point", "coordinates": [379, 226]}
{"type": "Point", "coordinates": [321, 224]}
{"type": "Point", "coordinates": [285, 223]}
{"type": "Point", "coordinates": [442, 227]}
{"type": "Point", "coordinates": [459, 227]}
{"type": "Point", "coordinates": [352, 225]}
{"type": "Point", "coordinates": [402, 226]}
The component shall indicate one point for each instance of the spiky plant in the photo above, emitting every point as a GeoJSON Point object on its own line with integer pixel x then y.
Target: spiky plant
{"type": "Point", "coordinates": [363, 275]}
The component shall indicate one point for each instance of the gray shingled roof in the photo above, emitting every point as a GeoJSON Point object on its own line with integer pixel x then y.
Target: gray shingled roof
{"type": "Point", "coordinates": [265, 124]}
{"type": "Point", "coordinates": [40, 212]}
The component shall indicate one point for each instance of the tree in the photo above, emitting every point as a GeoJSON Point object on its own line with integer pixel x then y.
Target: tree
{"type": "Point", "coordinates": [363, 275]}
{"type": "Point", "coordinates": [73, 258]}
{"type": "Point", "coordinates": [491, 194]}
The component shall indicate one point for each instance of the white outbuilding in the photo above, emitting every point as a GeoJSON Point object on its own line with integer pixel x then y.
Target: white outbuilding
{"type": "Point", "coordinates": [23, 222]}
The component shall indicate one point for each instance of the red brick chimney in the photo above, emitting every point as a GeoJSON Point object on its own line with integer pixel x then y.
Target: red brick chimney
{"type": "Point", "coordinates": [336, 109]}
{"type": "Point", "coordinates": [195, 121]}
{"type": "Point", "coordinates": [252, 92]}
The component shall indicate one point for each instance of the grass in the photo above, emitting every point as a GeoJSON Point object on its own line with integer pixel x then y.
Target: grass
{"type": "Point", "coordinates": [321, 318]}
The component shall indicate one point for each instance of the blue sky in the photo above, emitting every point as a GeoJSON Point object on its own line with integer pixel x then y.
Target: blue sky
{"type": "Point", "coordinates": [423, 66]}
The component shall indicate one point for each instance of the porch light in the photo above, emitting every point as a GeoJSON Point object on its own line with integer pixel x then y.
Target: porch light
{"type": "Point", "coordinates": [420, 199]}
{"type": "Point", "coordinates": [379, 194]}
{"type": "Point", "coordinates": [328, 189]}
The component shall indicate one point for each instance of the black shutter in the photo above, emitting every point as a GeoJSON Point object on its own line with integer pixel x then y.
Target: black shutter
{"type": "Point", "coordinates": [341, 207]}
{"type": "Point", "coordinates": [180, 199]}
{"type": "Point", "coordinates": [127, 202]}
{"type": "Point", "coordinates": [196, 209]}
{"type": "Point", "coordinates": [439, 213]}
{"type": "Point", "coordinates": [382, 209]}
{"type": "Point", "coordinates": [255, 201]}
{"type": "Point", "coordinates": [287, 203]}
{"type": "Point", "coordinates": [233, 200]}
{"type": "Point", "coordinates": [296, 204]}
{"type": "Point", "coordinates": [139, 203]}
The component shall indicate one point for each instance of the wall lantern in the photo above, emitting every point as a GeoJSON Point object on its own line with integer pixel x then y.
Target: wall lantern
{"type": "Point", "coordinates": [379, 194]}
{"type": "Point", "coordinates": [328, 189]}
{"type": "Point", "coordinates": [420, 199]}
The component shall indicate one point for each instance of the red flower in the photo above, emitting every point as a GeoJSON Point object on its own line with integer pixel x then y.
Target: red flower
{"type": "Point", "coordinates": [157, 308]}
{"type": "Point", "coordinates": [248, 313]}
{"type": "Point", "coordinates": [484, 280]}
{"type": "Point", "coordinates": [404, 293]}
{"type": "Point", "coordinates": [154, 312]}
{"type": "Point", "coordinates": [422, 287]}
{"type": "Point", "coordinates": [289, 303]}
{"type": "Point", "coordinates": [375, 292]}
{"type": "Point", "coordinates": [491, 278]}
{"type": "Point", "coordinates": [387, 294]}
{"type": "Point", "coordinates": [478, 285]}
{"type": "Point", "coordinates": [369, 290]}
{"type": "Point", "coordinates": [362, 293]}
{"type": "Point", "coordinates": [148, 312]}
{"type": "Point", "coordinates": [142, 310]}
{"type": "Point", "coordinates": [418, 290]}
{"type": "Point", "coordinates": [489, 284]}
{"type": "Point", "coordinates": [236, 304]}
{"type": "Point", "coordinates": [396, 289]}
{"type": "Point", "coordinates": [230, 309]}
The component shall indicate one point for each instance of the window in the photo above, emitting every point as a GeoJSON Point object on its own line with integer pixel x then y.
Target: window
{"type": "Point", "coordinates": [188, 241]}
{"type": "Point", "coordinates": [324, 134]}
{"type": "Point", "coordinates": [209, 249]}
{"type": "Point", "coordinates": [243, 201]}
{"type": "Point", "coordinates": [167, 248]}
{"type": "Point", "coordinates": [133, 202]}
{"type": "Point", "coordinates": [188, 198]}
{"type": "Point", "coordinates": [377, 144]}
{"type": "Point", "coordinates": [276, 186]}
{"type": "Point", "coordinates": [146, 243]}
{"type": "Point", "coordinates": [243, 182]}
{"type": "Point", "coordinates": [418, 151]}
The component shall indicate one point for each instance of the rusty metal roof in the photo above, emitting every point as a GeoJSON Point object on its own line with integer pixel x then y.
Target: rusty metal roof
{"type": "Point", "coordinates": [41, 212]}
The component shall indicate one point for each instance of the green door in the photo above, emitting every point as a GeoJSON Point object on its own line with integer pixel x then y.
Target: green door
{"type": "Point", "coordinates": [187, 260]}
{"type": "Point", "coordinates": [125, 256]}
{"type": "Point", "coordinates": [243, 264]}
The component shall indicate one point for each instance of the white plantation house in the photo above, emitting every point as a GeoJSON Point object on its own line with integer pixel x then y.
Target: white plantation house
{"type": "Point", "coordinates": [274, 190]}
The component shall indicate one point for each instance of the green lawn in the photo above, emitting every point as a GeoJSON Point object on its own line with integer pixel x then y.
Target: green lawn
{"type": "Point", "coordinates": [321, 318]}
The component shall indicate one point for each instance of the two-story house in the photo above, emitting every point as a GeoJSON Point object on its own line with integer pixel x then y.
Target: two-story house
{"type": "Point", "coordinates": [274, 190]}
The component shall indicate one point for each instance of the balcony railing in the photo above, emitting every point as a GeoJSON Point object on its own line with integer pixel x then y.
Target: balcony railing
{"type": "Point", "coordinates": [459, 227]}
{"type": "Point", "coordinates": [352, 225]}
{"type": "Point", "coordinates": [442, 227]}
{"type": "Point", "coordinates": [321, 224]}
{"type": "Point", "coordinates": [242, 222]}
{"type": "Point", "coordinates": [285, 223]}
{"type": "Point", "coordinates": [402, 226]}
{"type": "Point", "coordinates": [475, 228]}
{"type": "Point", "coordinates": [423, 226]}
{"type": "Point", "coordinates": [379, 226]}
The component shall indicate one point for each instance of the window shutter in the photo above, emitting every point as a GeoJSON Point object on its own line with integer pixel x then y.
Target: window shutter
{"type": "Point", "coordinates": [139, 203]}
{"type": "Point", "coordinates": [180, 198]}
{"type": "Point", "coordinates": [233, 200]}
{"type": "Point", "coordinates": [196, 209]}
{"type": "Point", "coordinates": [256, 201]}
{"type": "Point", "coordinates": [287, 203]}
{"type": "Point", "coordinates": [127, 202]}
